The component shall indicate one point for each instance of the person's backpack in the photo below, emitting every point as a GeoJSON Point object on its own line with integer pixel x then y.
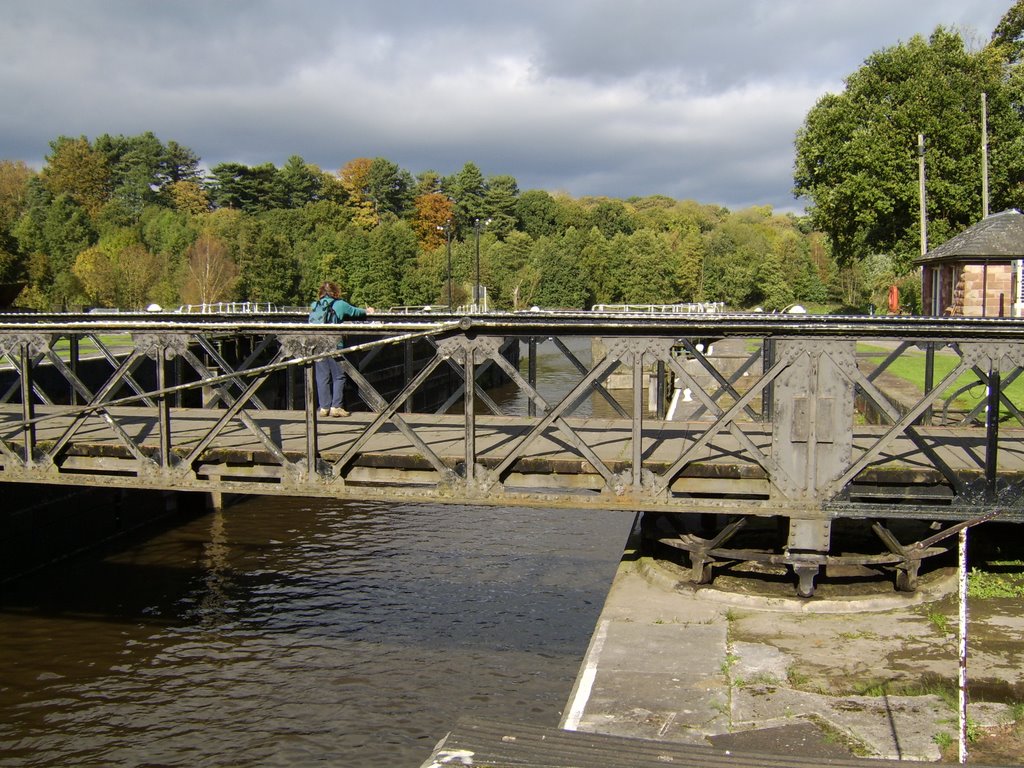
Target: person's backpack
{"type": "Point", "coordinates": [323, 311]}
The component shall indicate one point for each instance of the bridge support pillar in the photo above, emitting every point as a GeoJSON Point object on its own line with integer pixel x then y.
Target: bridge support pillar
{"type": "Point", "coordinates": [806, 550]}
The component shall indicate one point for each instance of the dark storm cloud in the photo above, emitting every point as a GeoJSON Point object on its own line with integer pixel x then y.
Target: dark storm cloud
{"type": "Point", "coordinates": [693, 99]}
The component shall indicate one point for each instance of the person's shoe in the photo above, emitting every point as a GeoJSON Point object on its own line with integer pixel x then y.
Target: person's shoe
{"type": "Point", "coordinates": [339, 412]}
{"type": "Point", "coordinates": [322, 412]}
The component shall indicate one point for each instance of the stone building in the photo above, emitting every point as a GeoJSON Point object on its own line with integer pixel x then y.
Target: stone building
{"type": "Point", "coordinates": [978, 272]}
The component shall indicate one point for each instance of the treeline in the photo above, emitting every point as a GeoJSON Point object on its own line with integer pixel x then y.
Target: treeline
{"type": "Point", "coordinates": [124, 221]}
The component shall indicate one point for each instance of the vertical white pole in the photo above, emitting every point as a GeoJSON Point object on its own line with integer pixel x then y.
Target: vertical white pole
{"type": "Point", "coordinates": [984, 156]}
{"type": "Point", "coordinates": [963, 646]}
{"type": "Point", "coordinates": [920, 183]}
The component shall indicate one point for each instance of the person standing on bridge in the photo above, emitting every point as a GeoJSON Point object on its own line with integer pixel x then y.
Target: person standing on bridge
{"type": "Point", "coordinates": [331, 378]}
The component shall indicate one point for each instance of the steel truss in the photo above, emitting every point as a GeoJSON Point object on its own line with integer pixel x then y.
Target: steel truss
{"type": "Point", "coordinates": [805, 419]}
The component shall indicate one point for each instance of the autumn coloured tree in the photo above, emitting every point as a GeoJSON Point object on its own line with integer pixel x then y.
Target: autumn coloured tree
{"type": "Point", "coordinates": [80, 172]}
{"type": "Point", "coordinates": [355, 179]}
{"type": "Point", "coordinates": [431, 219]}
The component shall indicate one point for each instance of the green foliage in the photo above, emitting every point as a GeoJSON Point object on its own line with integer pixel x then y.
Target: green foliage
{"type": "Point", "coordinates": [249, 189]}
{"type": "Point", "coordinates": [379, 279]}
{"type": "Point", "coordinates": [563, 285]}
{"type": "Point", "coordinates": [500, 205]}
{"type": "Point", "coordinates": [467, 189]}
{"type": "Point", "coordinates": [1004, 579]}
{"type": "Point", "coordinates": [537, 212]}
{"type": "Point", "coordinates": [389, 187]}
{"type": "Point", "coordinates": [856, 153]}
{"type": "Point", "coordinates": [268, 270]}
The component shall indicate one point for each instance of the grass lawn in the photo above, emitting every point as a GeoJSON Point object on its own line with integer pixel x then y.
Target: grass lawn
{"type": "Point", "coordinates": [115, 342]}
{"type": "Point", "coordinates": [910, 367]}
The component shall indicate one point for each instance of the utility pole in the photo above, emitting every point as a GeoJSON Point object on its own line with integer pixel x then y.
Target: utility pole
{"type": "Point", "coordinates": [984, 156]}
{"type": "Point", "coordinates": [920, 178]}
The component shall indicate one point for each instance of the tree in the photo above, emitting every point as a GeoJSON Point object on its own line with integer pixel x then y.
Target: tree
{"type": "Point", "coordinates": [189, 196]}
{"type": "Point", "coordinates": [140, 270]}
{"type": "Point", "coordinates": [14, 178]}
{"type": "Point", "coordinates": [688, 246]}
{"type": "Point", "coordinates": [563, 285]}
{"type": "Point", "coordinates": [856, 153]}
{"type": "Point", "coordinates": [134, 163]}
{"type": "Point", "coordinates": [14, 196]}
{"type": "Point", "coordinates": [605, 265]}
{"type": "Point", "coordinates": [507, 262]}
{"type": "Point", "coordinates": [212, 274]}
{"type": "Point", "coordinates": [500, 204]}
{"type": "Point", "coordinates": [389, 187]}
{"type": "Point", "coordinates": [355, 178]}
{"type": "Point", "coordinates": [774, 291]}
{"type": "Point", "coordinates": [612, 217]}
{"type": "Point", "coordinates": [251, 190]}
{"type": "Point", "coordinates": [433, 212]}
{"type": "Point", "coordinates": [299, 183]}
{"type": "Point", "coordinates": [267, 270]}
{"type": "Point", "coordinates": [118, 271]}
{"type": "Point", "coordinates": [1009, 33]}
{"type": "Point", "coordinates": [648, 281]}
{"type": "Point", "coordinates": [178, 163]}
{"type": "Point", "coordinates": [75, 169]}
{"type": "Point", "coordinates": [467, 189]}
{"type": "Point", "coordinates": [537, 213]}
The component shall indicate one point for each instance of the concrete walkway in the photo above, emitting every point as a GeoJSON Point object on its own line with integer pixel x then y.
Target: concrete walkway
{"type": "Point", "coordinates": [671, 661]}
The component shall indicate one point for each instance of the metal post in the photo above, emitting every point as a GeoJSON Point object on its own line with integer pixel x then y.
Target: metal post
{"type": "Point", "coordinates": [470, 414]}
{"type": "Point", "coordinates": [767, 361]}
{"type": "Point", "coordinates": [476, 287]}
{"type": "Point", "coordinates": [311, 441]}
{"type": "Point", "coordinates": [27, 405]}
{"type": "Point", "coordinates": [992, 433]}
{"type": "Point", "coordinates": [179, 376]}
{"type": "Point", "coordinates": [163, 405]}
{"type": "Point", "coordinates": [408, 366]}
{"type": "Point", "coordinates": [477, 299]}
{"type": "Point", "coordinates": [73, 354]}
{"type": "Point", "coordinates": [638, 418]}
{"type": "Point", "coordinates": [448, 237]}
{"type": "Point", "coordinates": [929, 379]}
{"type": "Point", "coordinates": [531, 374]}
{"type": "Point", "coordinates": [448, 242]}
{"type": "Point", "coordinates": [962, 646]}
{"type": "Point", "coordinates": [660, 393]}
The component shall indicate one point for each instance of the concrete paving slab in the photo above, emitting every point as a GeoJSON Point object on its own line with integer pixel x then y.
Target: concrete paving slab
{"type": "Point", "coordinates": [676, 664]}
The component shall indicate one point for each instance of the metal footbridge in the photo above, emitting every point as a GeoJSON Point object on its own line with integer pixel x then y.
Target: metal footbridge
{"type": "Point", "coordinates": [722, 419]}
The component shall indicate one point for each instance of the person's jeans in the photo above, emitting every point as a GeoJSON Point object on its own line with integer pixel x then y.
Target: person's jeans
{"type": "Point", "coordinates": [330, 383]}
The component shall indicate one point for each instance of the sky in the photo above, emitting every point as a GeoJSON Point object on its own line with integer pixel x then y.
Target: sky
{"type": "Point", "coordinates": [693, 99]}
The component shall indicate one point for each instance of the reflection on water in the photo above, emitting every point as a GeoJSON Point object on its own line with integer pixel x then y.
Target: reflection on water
{"type": "Point", "coordinates": [556, 376]}
{"type": "Point", "coordinates": [297, 632]}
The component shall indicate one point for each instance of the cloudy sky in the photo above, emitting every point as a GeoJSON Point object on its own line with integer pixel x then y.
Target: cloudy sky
{"type": "Point", "coordinates": [695, 99]}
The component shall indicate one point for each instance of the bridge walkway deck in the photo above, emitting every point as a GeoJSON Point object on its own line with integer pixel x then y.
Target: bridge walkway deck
{"type": "Point", "coordinates": [383, 461]}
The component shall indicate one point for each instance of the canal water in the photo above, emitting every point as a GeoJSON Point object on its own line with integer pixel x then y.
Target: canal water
{"type": "Point", "coordinates": [294, 632]}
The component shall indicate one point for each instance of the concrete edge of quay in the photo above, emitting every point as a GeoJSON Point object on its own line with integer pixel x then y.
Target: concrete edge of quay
{"type": "Point", "coordinates": [674, 662]}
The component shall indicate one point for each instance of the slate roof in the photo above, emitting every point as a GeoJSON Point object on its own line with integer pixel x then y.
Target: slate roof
{"type": "Point", "coordinates": [997, 238]}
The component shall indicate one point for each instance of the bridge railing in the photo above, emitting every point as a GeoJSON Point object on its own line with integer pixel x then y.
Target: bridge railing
{"type": "Point", "coordinates": [806, 418]}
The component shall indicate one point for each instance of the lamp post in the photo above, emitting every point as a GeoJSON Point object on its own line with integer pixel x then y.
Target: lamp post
{"type": "Point", "coordinates": [477, 226]}
{"type": "Point", "coordinates": [448, 240]}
